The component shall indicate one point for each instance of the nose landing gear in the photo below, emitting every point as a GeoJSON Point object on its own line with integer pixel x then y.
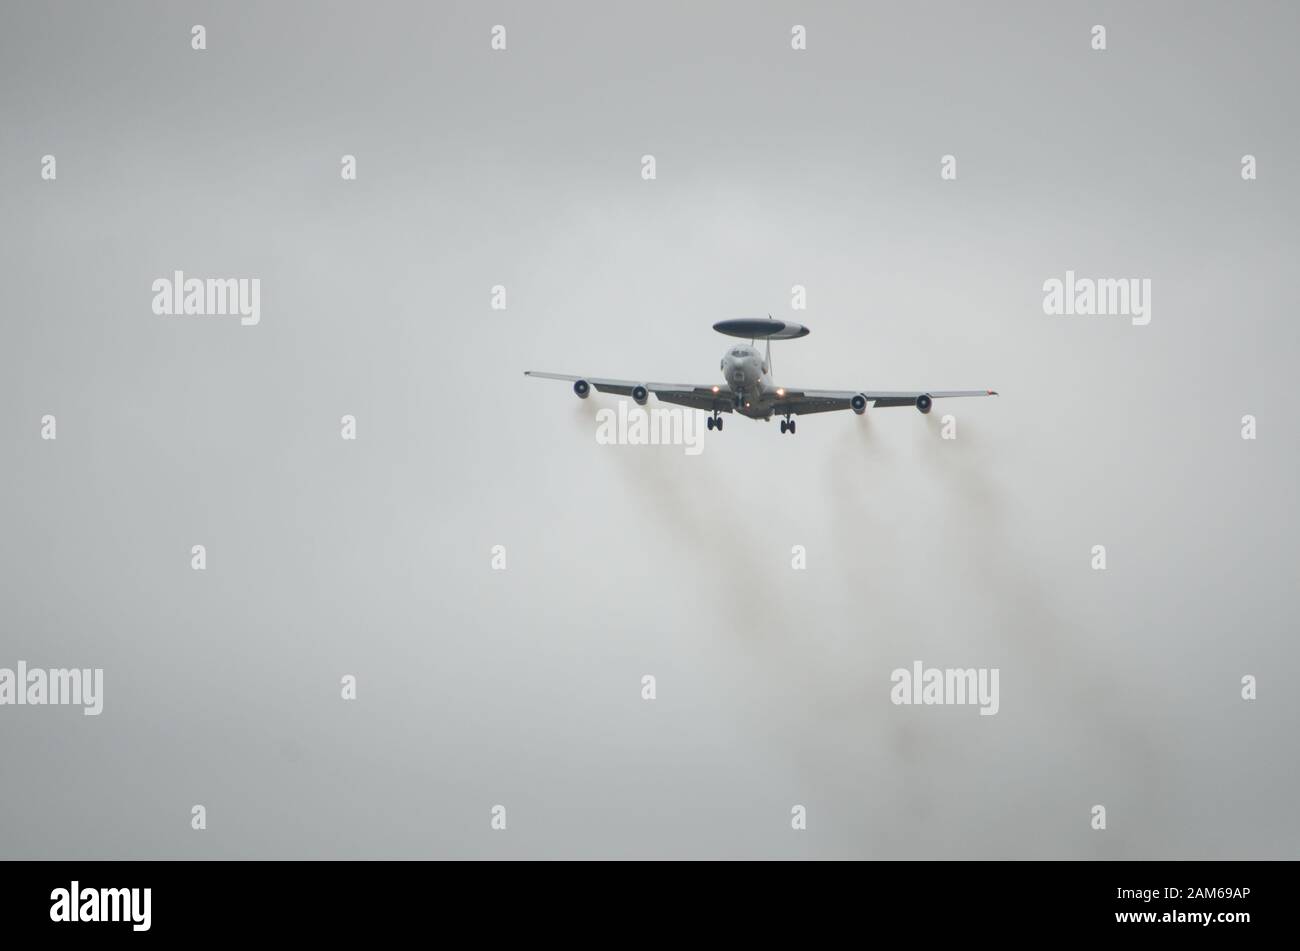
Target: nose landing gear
{"type": "Point", "coordinates": [714, 422]}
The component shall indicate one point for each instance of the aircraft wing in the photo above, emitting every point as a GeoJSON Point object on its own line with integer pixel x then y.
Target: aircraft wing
{"type": "Point", "coordinates": [803, 402]}
{"type": "Point", "coordinates": [707, 398]}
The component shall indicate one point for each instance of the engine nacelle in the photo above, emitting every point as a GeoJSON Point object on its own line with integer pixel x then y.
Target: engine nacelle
{"type": "Point", "coordinates": [924, 403]}
{"type": "Point", "coordinates": [859, 403]}
{"type": "Point", "coordinates": [582, 388]}
{"type": "Point", "coordinates": [640, 394]}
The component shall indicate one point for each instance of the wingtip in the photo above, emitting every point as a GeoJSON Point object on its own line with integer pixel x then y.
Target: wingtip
{"type": "Point", "coordinates": [993, 392]}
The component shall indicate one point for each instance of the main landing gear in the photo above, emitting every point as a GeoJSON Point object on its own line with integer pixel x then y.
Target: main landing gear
{"type": "Point", "coordinates": [714, 422]}
{"type": "Point", "coordinates": [787, 425]}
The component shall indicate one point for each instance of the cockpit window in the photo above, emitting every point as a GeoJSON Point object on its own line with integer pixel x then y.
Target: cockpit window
{"type": "Point", "coordinates": [738, 352]}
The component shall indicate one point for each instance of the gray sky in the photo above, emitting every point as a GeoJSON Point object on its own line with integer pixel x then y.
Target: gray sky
{"type": "Point", "coordinates": [522, 687]}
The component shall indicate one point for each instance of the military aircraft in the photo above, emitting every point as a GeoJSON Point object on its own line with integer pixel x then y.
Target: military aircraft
{"type": "Point", "coordinates": [749, 388]}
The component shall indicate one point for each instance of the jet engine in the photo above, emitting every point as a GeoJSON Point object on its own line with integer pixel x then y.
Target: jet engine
{"type": "Point", "coordinates": [640, 394]}
{"type": "Point", "coordinates": [924, 402]}
{"type": "Point", "coordinates": [859, 403]}
{"type": "Point", "coordinates": [582, 388]}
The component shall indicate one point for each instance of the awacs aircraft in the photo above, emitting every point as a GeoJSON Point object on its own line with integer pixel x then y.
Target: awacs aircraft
{"type": "Point", "coordinates": [750, 389]}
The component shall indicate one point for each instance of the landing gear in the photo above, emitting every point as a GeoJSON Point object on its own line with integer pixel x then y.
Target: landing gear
{"type": "Point", "coordinates": [787, 425]}
{"type": "Point", "coordinates": [714, 422]}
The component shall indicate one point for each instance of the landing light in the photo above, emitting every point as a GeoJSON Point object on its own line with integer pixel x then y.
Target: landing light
{"type": "Point", "coordinates": [715, 389]}
{"type": "Point", "coordinates": [780, 392]}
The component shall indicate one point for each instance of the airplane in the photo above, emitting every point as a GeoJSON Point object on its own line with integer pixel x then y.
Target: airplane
{"type": "Point", "coordinates": [750, 389]}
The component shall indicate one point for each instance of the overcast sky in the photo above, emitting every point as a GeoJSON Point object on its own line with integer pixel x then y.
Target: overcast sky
{"type": "Point", "coordinates": [522, 687]}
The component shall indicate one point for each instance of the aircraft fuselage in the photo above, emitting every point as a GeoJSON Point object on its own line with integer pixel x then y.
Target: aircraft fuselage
{"type": "Point", "coordinates": [749, 380]}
